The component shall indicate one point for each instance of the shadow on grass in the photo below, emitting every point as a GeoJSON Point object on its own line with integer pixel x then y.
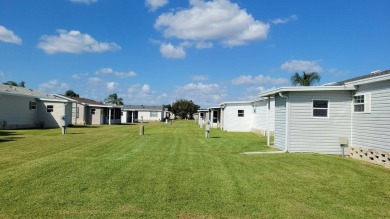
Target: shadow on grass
{"type": "Point", "coordinates": [84, 126]}
{"type": "Point", "coordinates": [215, 137]}
{"type": "Point", "coordinates": [6, 136]}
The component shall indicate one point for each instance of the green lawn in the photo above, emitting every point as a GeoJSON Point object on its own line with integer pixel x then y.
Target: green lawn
{"type": "Point", "coordinates": [174, 172]}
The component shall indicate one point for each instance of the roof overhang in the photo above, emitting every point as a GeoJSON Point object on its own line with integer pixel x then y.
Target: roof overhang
{"type": "Point", "coordinates": [369, 80]}
{"type": "Point", "coordinates": [306, 89]}
{"type": "Point", "coordinates": [53, 100]}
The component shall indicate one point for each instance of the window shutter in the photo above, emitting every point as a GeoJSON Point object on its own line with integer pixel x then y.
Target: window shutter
{"type": "Point", "coordinates": [367, 103]}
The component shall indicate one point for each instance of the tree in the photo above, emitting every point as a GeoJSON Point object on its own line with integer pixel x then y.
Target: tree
{"type": "Point", "coordinates": [184, 108]}
{"type": "Point", "coordinates": [13, 83]}
{"type": "Point", "coordinates": [114, 99]}
{"type": "Point", "coordinates": [306, 79]}
{"type": "Point", "coordinates": [71, 93]}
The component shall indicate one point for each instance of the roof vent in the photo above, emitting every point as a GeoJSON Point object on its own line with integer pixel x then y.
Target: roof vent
{"type": "Point", "coordinates": [376, 71]}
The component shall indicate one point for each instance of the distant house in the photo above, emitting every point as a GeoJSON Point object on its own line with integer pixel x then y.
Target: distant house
{"type": "Point", "coordinates": [313, 119]}
{"type": "Point", "coordinates": [138, 113]}
{"type": "Point", "coordinates": [25, 108]}
{"type": "Point", "coordinates": [90, 112]}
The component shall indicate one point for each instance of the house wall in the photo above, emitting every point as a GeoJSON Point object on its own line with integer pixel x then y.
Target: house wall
{"type": "Point", "coordinates": [53, 119]}
{"type": "Point", "coordinates": [146, 116]}
{"type": "Point", "coordinates": [124, 116]}
{"type": "Point", "coordinates": [81, 119]}
{"type": "Point", "coordinates": [371, 130]}
{"type": "Point", "coordinates": [233, 123]}
{"type": "Point", "coordinates": [280, 122]}
{"type": "Point", "coordinates": [315, 134]}
{"type": "Point", "coordinates": [260, 117]}
{"type": "Point", "coordinates": [97, 118]}
{"type": "Point", "coordinates": [16, 112]}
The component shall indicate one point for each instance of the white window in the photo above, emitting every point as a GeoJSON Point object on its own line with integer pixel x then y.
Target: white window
{"type": "Point", "coordinates": [240, 113]}
{"type": "Point", "coordinates": [153, 114]}
{"type": "Point", "coordinates": [49, 108]}
{"type": "Point", "coordinates": [362, 103]}
{"type": "Point", "coordinates": [320, 108]}
{"type": "Point", "coordinates": [33, 105]}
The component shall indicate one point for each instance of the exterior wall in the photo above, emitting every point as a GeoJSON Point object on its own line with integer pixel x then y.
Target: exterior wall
{"type": "Point", "coordinates": [124, 116]}
{"type": "Point", "coordinates": [16, 112]}
{"type": "Point", "coordinates": [317, 134]}
{"type": "Point", "coordinates": [53, 119]}
{"type": "Point", "coordinates": [371, 130]}
{"type": "Point", "coordinates": [280, 123]}
{"type": "Point", "coordinates": [146, 116]}
{"type": "Point", "coordinates": [97, 118]}
{"type": "Point", "coordinates": [80, 117]}
{"type": "Point", "coordinates": [233, 123]}
{"type": "Point", "coordinates": [260, 117]}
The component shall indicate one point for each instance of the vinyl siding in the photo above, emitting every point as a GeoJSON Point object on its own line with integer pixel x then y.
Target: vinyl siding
{"type": "Point", "coordinates": [372, 129]}
{"type": "Point", "coordinates": [16, 112]}
{"type": "Point", "coordinates": [280, 122]}
{"type": "Point", "coordinates": [260, 117]}
{"type": "Point", "coordinates": [146, 116]}
{"type": "Point", "coordinates": [314, 134]}
{"type": "Point", "coordinates": [233, 123]}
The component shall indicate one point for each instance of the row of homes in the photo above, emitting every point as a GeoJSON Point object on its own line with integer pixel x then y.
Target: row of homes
{"type": "Point", "coordinates": [25, 108]}
{"type": "Point", "coordinates": [354, 112]}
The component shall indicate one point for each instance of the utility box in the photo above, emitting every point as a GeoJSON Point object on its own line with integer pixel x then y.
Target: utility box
{"type": "Point", "coordinates": [343, 141]}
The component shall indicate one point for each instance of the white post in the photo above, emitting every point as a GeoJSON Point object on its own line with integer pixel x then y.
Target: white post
{"type": "Point", "coordinates": [268, 121]}
{"type": "Point", "coordinates": [109, 116]}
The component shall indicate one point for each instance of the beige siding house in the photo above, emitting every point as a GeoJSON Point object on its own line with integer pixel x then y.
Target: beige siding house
{"type": "Point", "coordinates": [26, 108]}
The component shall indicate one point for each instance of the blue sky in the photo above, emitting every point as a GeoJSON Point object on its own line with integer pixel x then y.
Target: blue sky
{"type": "Point", "coordinates": [156, 51]}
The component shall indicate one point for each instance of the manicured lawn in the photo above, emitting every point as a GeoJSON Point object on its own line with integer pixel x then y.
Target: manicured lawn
{"type": "Point", "coordinates": [174, 172]}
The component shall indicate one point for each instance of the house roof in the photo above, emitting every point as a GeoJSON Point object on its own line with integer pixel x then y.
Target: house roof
{"type": "Point", "coordinates": [372, 77]}
{"type": "Point", "coordinates": [142, 108]}
{"type": "Point", "coordinates": [306, 89]}
{"type": "Point", "coordinates": [21, 91]}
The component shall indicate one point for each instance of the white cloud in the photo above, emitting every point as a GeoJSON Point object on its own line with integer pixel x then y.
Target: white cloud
{"type": "Point", "coordinates": [170, 51]}
{"type": "Point", "coordinates": [74, 42]}
{"type": "Point", "coordinates": [217, 20]}
{"type": "Point", "coordinates": [8, 36]}
{"type": "Point", "coordinates": [155, 4]}
{"type": "Point", "coordinates": [140, 90]}
{"type": "Point", "coordinates": [53, 87]}
{"type": "Point", "coordinates": [87, 2]}
{"type": "Point", "coordinates": [259, 79]}
{"type": "Point", "coordinates": [200, 78]}
{"type": "Point", "coordinates": [112, 86]}
{"type": "Point", "coordinates": [2, 74]}
{"type": "Point", "coordinates": [285, 20]}
{"type": "Point", "coordinates": [105, 71]}
{"type": "Point", "coordinates": [301, 65]}
{"type": "Point", "coordinates": [202, 94]}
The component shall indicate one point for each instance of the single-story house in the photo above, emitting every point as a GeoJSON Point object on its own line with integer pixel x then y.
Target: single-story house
{"type": "Point", "coordinates": [318, 119]}
{"type": "Point", "coordinates": [139, 113]}
{"type": "Point", "coordinates": [203, 116]}
{"type": "Point", "coordinates": [90, 112]}
{"type": "Point", "coordinates": [26, 108]}
{"type": "Point", "coordinates": [248, 116]}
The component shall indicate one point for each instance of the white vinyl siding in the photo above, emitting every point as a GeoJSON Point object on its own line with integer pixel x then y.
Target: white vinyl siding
{"type": "Point", "coordinates": [15, 112]}
{"type": "Point", "coordinates": [372, 129]}
{"type": "Point", "coordinates": [260, 117]}
{"type": "Point", "coordinates": [235, 123]}
{"type": "Point", "coordinates": [280, 122]}
{"type": "Point", "coordinates": [311, 134]}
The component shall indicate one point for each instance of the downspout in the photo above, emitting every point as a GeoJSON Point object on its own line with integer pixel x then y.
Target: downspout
{"type": "Point", "coordinates": [287, 128]}
{"type": "Point", "coordinates": [268, 121]}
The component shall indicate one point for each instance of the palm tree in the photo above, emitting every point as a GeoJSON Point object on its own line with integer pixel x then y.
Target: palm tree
{"type": "Point", "coordinates": [114, 99]}
{"type": "Point", "coordinates": [306, 79]}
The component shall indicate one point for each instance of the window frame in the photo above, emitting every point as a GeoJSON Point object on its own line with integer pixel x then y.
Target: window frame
{"type": "Point", "coordinates": [320, 108]}
{"type": "Point", "coordinates": [153, 114]}
{"type": "Point", "coordinates": [366, 103]}
{"type": "Point", "coordinates": [33, 105]}
{"type": "Point", "coordinates": [240, 114]}
{"type": "Point", "coordinates": [93, 111]}
{"type": "Point", "coordinates": [49, 108]}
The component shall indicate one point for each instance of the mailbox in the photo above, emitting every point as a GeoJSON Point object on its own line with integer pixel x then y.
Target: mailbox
{"type": "Point", "coordinates": [343, 141]}
{"type": "Point", "coordinates": [207, 129]}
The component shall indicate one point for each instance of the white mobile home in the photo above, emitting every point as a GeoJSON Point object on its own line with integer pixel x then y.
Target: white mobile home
{"type": "Point", "coordinates": [313, 119]}
{"type": "Point", "coordinates": [138, 113]}
{"type": "Point", "coordinates": [237, 116]}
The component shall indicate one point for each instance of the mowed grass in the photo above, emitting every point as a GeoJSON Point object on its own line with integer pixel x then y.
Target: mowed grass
{"type": "Point", "coordinates": [174, 172]}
